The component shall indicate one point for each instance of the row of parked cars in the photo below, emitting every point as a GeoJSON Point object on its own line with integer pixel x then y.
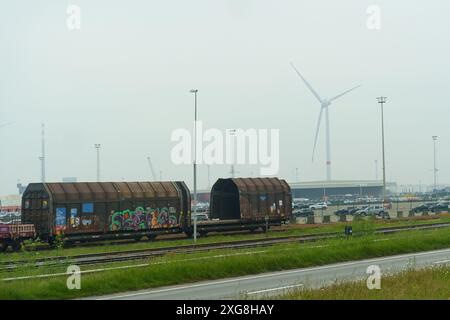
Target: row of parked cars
{"type": "Point", "coordinates": [432, 206]}
{"type": "Point", "coordinates": [373, 210]}
{"type": "Point", "coordinates": [366, 210]}
{"type": "Point", "coordinates": [299, 210]}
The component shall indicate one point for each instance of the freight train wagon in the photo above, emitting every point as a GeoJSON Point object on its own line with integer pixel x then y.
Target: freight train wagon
{"type": "Point", "coordinates": [106, 210]}
{"type": "Point", "coordinates": [248, 204]}
{"type": "Point", "coordinates": [14, 234]}
{"type": "Point", "coordinates": [115, 210]}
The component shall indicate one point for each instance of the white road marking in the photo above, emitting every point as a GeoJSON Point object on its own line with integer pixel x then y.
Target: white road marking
{"type": "Point", "coordinates": [272, 274]}
{"type": "Point", "coordinates": [275, 289]}
{"type": "Point", "coordinates": [440, 262]}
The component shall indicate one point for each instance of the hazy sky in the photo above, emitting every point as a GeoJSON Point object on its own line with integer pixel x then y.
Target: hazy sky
{"type": "Point", "coordinates": [123, 81]}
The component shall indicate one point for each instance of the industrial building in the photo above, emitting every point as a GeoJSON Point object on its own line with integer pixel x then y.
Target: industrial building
{"type": "Point", "coordinates": [319, 189]}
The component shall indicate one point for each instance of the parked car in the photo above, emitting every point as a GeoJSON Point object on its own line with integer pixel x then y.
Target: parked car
{"type": "Point", "coordinates": [372, 210]}
{"type": "Point", "coordinates": [303, 212]}
{"type": "Point", "coordinates": [421, 208]}
{"type": "Point", "coordinates": [319, 205]}
{"type": "Point", "coordinates": [442, 206]}
{"type": "Point", "coordinates": [342, 212]}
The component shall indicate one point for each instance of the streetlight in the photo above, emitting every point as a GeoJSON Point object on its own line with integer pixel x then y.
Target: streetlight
{"type": "Point", "coordinates": [435, 170]}
{"type": "Point", "coordinates": [382, 101]}
{"type": "Point", "coordinates": [376, 170]}
{"type": "Point", "coordinates": [42, 157]}
{"type": "Point", "coordinates": [232, 133]}
{"type": "Point", "coordinates": [195, 91]}
{"type": "Point", "coordinates": [97, 146]}
{"type": "Point", "coordinates": [209, 180]}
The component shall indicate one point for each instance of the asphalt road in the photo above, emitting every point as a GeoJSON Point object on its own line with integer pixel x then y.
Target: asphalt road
{"type": "Point", "coordinates": [264, 285]}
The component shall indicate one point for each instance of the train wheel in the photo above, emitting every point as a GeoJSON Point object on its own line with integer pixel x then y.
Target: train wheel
{"type": "Point", "coordinates": [137, 239]}
{"type": "Point", "coordinates": [3, 246]}
{"type": "Point", "coordinates": [151, 237]}
{"type": "Point", "coordinates": [16, 245]}
{"type": "Point", "coordinates": [203, 234]}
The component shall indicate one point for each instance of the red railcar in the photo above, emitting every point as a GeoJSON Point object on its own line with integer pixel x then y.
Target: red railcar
{"type": "Point", "coordinates": [14, 234]}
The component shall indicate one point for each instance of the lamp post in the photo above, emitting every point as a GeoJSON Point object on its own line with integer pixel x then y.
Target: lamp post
{"type": "Point", "coordinates": [232, 133]}
{"type": "Point", "coordinates": [376, 170]}
{"type": "Point", "coordinates": [42, 157]}
{"type": "Point", "coordinates": [97, 147]}
{"type": "Point", "coordinates": [209, 180]}
{"type": "Point", "coordinates": [382, 101]}
{"type": "Point", "coordinates": [435, 170]}
{"type": "Point", "coordinates": [195, 91]}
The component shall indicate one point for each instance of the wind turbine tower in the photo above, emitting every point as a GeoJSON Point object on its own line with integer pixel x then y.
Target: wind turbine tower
{"type": "Point", "coordinates": [324, 104]}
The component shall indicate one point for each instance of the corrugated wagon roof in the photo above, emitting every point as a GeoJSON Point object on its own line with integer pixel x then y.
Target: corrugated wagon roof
{"type": "Point", "coordinates": [111, 191]}
{"type": "Point", "coordinates": [260, 185]}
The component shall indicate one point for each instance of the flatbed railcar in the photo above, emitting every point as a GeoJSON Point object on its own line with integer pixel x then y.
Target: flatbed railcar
{"type": "Point", "coordinates": [86, 211]}
{"type": "Point", "coordinates": [14, 234]}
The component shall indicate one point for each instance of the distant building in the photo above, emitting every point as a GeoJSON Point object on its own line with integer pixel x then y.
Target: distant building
{"type": "Point", "coordinates": [319, 189]}
{"type": "Point", "coordinates": [11, 200]}
{"type": "Point", "coordinates": [70, 179]}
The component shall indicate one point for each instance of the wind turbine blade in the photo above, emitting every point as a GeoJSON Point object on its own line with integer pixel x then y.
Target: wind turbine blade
{"type": "Point", "coordinates": [317, 133]}
{"type": "Point", "coordinates": [345, 92]}
{"type": "Point", "coordinates": [307, 84]}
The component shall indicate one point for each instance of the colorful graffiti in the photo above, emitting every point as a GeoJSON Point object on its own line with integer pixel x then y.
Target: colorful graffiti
{"type": "Point", "coordinates": [141, 219]}
{"type": "Point", "coordinates": [60, 220]}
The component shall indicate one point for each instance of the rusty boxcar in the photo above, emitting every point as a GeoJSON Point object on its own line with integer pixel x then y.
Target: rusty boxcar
{"type": "Point", "coordinates": [251, 200]}
{"type": "Point", "coordinates": [106, 210]}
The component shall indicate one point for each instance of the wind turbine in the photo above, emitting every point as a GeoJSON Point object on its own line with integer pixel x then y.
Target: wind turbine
{"type": "Point", "coordinates": [324, 104]}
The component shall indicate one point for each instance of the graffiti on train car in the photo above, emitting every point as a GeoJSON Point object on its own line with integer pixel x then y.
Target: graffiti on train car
{"type": "Point", "coordinates": [141, 219]}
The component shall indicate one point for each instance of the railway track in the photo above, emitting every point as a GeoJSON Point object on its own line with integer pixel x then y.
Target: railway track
{"type": "Point", "coordinates": [139, 254]}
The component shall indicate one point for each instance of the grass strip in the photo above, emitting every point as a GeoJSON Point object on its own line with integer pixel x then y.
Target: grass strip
{"type": "Point", "coordinates": [280, 257]}
{"type": "Point", "coordinates": [429, 283]}
{"type": "Point", "coordinates": [363, 226]}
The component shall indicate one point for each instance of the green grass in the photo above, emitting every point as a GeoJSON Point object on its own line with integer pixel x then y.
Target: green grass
{"type": "Point", "coordinates": [181, 268]}
{"type": "Point", "coordinates": [291, 230]}
{"type": "Point", "coordinates": [430, 283]}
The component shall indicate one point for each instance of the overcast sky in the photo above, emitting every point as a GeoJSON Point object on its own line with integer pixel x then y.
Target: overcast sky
{"type": "Point", "coordinates": [123, 81]}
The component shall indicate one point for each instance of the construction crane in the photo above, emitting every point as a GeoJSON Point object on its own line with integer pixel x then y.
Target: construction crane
{"type": "Point", "coordinates": [151, 168]}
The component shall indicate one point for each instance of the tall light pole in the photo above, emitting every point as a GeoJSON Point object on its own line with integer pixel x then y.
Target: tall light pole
{"type": "Point", "coordinates": [42, 157]}
{"type": "Point", "coordinates": [209, 176]}
{"type": "Point", "coordinates": [382, 101]}
{"type": "Point", "coordinates": [232, 133]}
{"type": "Point", "coordinates": [195, 91]}
{"type": "Point", "coordinates": [376, 170]}
{"type": "Point", "coordinates": [435, 170]}
{"type": "Point", "coordinates": [97, 147]}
